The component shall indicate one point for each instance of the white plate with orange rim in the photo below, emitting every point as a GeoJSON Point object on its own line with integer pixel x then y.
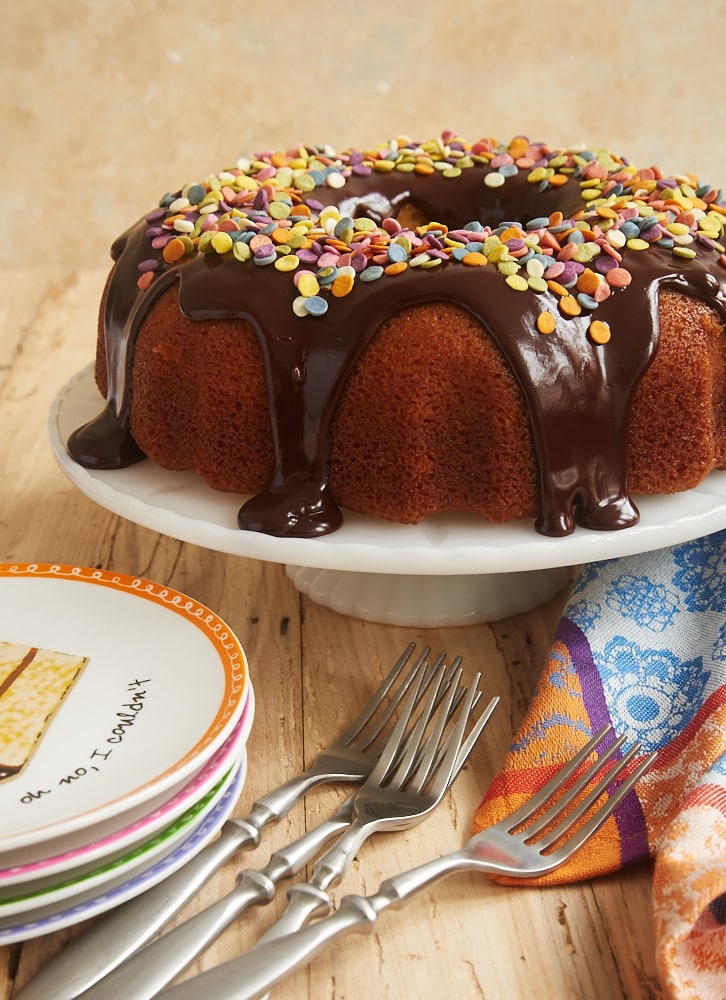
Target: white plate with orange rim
{"type": "Point", "coordinates": [92, 902]}
{"type": "Point", "coordinates": [56, 889]}
{"type": "Point", "coordinates": [63, 855]}
{"type": "Point", "coordinates": [136, 686]}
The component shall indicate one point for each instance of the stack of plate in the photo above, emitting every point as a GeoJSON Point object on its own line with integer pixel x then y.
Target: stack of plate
{"type": "Point", "coordinates": [125, 708]}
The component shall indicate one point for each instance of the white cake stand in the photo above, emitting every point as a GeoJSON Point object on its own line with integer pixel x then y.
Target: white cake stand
{"type": "Point", "coordinates": [451, 569]}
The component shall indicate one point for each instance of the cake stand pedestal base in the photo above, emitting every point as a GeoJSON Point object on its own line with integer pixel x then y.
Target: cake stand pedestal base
{"type": "Point", "coordinates": [429, 601]}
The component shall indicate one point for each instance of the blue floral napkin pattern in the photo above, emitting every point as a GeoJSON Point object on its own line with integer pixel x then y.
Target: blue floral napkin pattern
{"type": "Point", "coordinates": [642, 644]}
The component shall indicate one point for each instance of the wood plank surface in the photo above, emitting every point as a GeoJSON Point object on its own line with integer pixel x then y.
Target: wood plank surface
{"type": "Point", "coordinates": [312, 669]}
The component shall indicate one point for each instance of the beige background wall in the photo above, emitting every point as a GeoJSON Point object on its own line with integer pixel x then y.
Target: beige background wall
{"type": "Point", "coordinates": [104, 105]}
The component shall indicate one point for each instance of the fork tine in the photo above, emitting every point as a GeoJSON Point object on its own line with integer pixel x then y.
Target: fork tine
{"type": "Point", "coordinates": [428, 676]}
{"type": "Point", "coordinates": [419, 755]}
{"type": "Point", "coordinates": [474, 734]}
{"type": "Point", "coordinates": [448, 766]}
{"type": "Point", "coordinates": [563, 823]}
{"type": "Point", "coordinates": [392, 748]}
{"type": "Point", "coordinates": [446, 679]}
{"type": "Point", "coordinates": [588, 829]}
{"type": "Point", "coordinates": [535, 803]}
{"type": "Point", "coordinates": [471, 740]}
{"type": "Point", "coordinates": [476, 730]}
{"type": "Point", "coordinates": [443, 678]}
{"type": "Point", "coordinates": [566, 796]}
{"type": "Point", "coordinates": [369, 710]}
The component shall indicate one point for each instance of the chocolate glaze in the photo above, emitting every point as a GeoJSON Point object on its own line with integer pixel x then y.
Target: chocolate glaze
{"type": "Point", "coordinates": [578, 394]}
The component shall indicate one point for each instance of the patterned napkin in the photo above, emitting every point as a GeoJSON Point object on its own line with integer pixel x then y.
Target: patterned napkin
{"type": "Point", "coordinates": [642, 644]}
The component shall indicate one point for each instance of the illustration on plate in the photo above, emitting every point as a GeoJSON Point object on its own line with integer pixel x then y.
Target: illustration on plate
{"type": "Point", "coordinates": [33, 684]}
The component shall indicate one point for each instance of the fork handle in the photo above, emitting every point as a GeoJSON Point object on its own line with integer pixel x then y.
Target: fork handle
{"type": "Point", "coordinates": [122, 931]}
{"type": "Point", "coordinates": [267, 964]}
{"type": "Point", "coordinates": [308, 899]}
{"type": "Point", "coordinates": [147, 972]}
{"type": "Point", "coordinates": [254, 973]}
{"type": "Point", "coordinates": [305, 901]}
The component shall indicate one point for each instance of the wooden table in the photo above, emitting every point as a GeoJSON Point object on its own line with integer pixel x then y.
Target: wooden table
{"type": "Point", "coordinates": [311, 669]}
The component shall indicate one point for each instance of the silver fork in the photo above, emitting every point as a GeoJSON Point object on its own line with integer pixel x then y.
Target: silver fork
{"type": "Point", "coordinates": [535, 839]}
{"type": "Point", "coordinates": [116, 936]}
{"type": "Point", "coordinates": [393, 799]}
{"type": "Point", "coordinates": [408, 759]}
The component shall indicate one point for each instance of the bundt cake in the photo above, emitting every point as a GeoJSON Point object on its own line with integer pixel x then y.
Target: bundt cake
{"type": "Point", "coordinates": [508, 329]}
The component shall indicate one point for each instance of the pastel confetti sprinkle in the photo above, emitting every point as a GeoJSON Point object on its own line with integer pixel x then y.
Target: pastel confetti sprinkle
{"type": "Point", "coordinates": [263, 211]}
{"type": "Point", "coordinates": [316, 305]}
{"type": "Point", "coordinates": [546, 322]}
{"type": "Point", "coordinates": [599, 332]}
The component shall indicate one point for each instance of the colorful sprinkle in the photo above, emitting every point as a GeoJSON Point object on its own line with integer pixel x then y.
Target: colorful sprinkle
{"type": "Point", "coordinates": [222, 242]}
{"type": "Point", "coordinates": [144, 280]}
{"type": "Point", "coordinates": [494, 180]}
{"type": "Point", "coordinates": [618, 277]}
{"type": "Point", "coordinates": [569, 306]}
{"type": "Point", "coordinates": [599, 332]}
{"type": "Point", "coordinates": [316, 305]}
{"type": "Point", "coordinates": [546, 322]}
{"type": "Point", "coordinates": [287, 263]}
{"type": "Point", "coordinates": [372, 273]}
{"type": "Point", "coordinates": [173, 251]}
{"type": "Point", "coordinates": [307, 283]}
{"type": "Point", "coordinates": [343, 284]}
{"type": "Point", "coordinates": [264, 211]}
{"type": "Point", "coordinates": [685, 252]}
{"type": "Point", "coordinates": [474, 259]}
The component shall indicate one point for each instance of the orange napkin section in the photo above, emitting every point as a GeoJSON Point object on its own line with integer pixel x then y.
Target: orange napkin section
{"type": "Point", "coordinates": [642, 645]}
